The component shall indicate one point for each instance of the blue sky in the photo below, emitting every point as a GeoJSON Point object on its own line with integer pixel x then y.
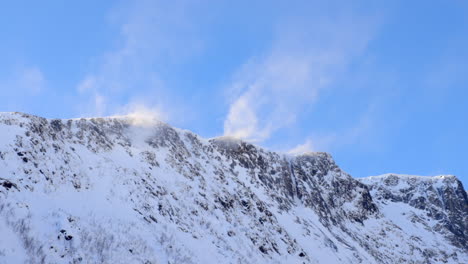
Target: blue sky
{"type": "Point", "coordinates": [382, 85]}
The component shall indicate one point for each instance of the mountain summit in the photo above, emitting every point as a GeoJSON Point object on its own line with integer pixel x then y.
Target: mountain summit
{"type": "Point", "coordinates": [111, 190]}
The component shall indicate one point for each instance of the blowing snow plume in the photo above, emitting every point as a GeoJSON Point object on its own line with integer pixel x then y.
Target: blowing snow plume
{"type": "Point", "coordinates": [271, 91]}
{"type": "Point", "coordinates": [99, 190]}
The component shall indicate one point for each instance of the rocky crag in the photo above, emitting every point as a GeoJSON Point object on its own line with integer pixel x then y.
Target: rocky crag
{"type": "Point", "coordinates": [114, 190]}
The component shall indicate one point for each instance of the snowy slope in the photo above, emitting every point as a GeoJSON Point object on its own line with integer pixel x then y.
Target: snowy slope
{"type": "Point", "coordinates": [114, 190]}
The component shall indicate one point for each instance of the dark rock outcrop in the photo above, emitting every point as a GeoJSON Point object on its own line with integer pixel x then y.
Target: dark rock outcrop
{"type": "Point", "coordinates": [123, 191]}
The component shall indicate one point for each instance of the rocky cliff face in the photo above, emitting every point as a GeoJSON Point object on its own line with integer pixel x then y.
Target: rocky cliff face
{"type": "Point", "coordinates": [441, 199]}
{"type": "Point", "coordinates": [112, 190]}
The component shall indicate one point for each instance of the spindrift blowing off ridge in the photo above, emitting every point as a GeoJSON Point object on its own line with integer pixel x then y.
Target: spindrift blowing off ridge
{"type": "Point", "coordinates": [107, 190]}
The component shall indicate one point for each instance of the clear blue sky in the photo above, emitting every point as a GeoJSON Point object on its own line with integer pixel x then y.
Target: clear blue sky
{"type": "Point", "coordinates": [380, 85]}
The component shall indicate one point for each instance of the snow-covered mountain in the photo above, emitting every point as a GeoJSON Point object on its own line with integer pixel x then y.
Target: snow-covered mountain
{"type": "Point", "coordinates": [115, 190]}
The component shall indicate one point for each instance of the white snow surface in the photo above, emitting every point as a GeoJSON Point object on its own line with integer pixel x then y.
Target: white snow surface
{"type": "Point", "coordinates": [109, 190]}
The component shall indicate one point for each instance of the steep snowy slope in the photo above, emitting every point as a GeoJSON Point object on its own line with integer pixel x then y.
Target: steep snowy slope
{"type": "Point", "coordinates": [436, 203]}
{"type": "Point", "coordinates": [113, 190]}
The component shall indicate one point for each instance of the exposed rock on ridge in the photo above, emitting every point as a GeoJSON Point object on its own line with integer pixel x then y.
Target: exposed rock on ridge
{"type": "Point", "coordinates": [442, 198]}
{"type": "Point", "coordinates": [123, 192]}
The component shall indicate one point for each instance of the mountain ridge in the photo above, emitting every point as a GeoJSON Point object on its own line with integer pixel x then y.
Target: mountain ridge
{"type": "Point", "coordinates": [171, 184]}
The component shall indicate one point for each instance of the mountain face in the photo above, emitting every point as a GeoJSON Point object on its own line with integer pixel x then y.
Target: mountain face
{"type": "Point", "coordinates": [114, 190]}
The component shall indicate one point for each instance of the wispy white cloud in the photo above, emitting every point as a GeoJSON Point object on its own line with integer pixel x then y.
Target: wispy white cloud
{"type": "Point", "coordinates": [154, 36]}
{"type": "Point", "coordinates": [99, 103]}
{"type": "Point", "coordinates": [27, 81]}
{"type": "Point", "coordinates": [320, 142]}
{"type": "Point", "coordinates": [21, 87]}
{"type": "Point", "coordinates": [31, 79]}
{"type": "Point", "coordinates": [143, 115]}
{"type": "Point", "coordinates": [273, 89]}
{"type": "Point", "coordinates": [362, 134]}
{"type": "Point", "coordinates": [307, 146]}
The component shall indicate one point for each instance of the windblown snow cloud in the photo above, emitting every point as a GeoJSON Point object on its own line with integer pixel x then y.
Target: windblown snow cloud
{"type": "Point", "coordinates": [307, 146]}
{"type": "Point", "coordinates": [31, 79]}
{"type": "Point", "coordinates": [28, 81]}
{"type": "Point", "coordinates": [142, 115]}
{"type": "Point", "coordinates": [271, 90]}
{"type": "Point", "coordinates": [364, 134]}
{"type": "Point", "coordinates": [153, 38]}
